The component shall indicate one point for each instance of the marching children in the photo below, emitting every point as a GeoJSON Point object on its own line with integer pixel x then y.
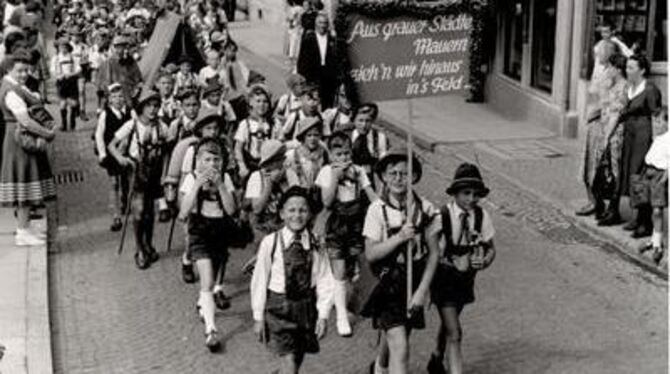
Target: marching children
{"type": "Point", "coordinates": [206, 199]}
{"type": "Point", "coordinates": [110, 120]}
{"type": "Point", "coordinates": [311, 155]}
{"type": "Point", "coordinates": [147, 139]}
{"type": "Point", "coordinates": [390, 226]}
{"type": "Point", "coordinates": [66, 70]}
{"type": "Point", "coordinates": [369, 143]}
{"type": "Point", "coordinates": [252, 132]}
{"type": "Point", "coordinates": [467, 242]}
{"type": "Point", "coordinates": [310, 105]}
{"type": "Point", "coordinates": [185, 77]}
{"type": "Point", "coordinates": [211, 99]}
{"type": "Point", "coordinates": [291, 285]}
{"type": "Point", "coordinates": [346, 192]}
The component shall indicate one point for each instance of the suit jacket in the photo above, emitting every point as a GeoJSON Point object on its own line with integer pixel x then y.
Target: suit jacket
{"type": "Point", "coordinates": [309, 60]}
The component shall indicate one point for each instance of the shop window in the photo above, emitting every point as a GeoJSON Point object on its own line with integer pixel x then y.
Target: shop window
{"type": "Point", "coordinates": [544, 44]}
{"type": "Point", "coordinates": [516, 32]}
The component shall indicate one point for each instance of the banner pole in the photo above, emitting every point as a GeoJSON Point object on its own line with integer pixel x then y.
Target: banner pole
{"type": "Point", "coordinates": [410, 179]}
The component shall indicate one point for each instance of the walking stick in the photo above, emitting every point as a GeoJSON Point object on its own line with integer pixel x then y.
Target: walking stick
{"type": "Point", "coordinates": [169, 243]}
{"type": "Point", "coordinates": [410, 179]}
{"type": "Point", "coordinates": [128, 209]}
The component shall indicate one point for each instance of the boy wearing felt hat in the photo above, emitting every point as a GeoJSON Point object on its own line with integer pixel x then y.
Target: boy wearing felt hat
{"type": "Point", "coordinates": [146, 136]}
{"type": "Point", "coordinates": [370, 144]}
{"type": "Point", "coordinates": [185, 77]}
{"type": "Point", "coordinates": [169, 107]}
{"type": "Point", "coordinates": [467, 247]}
{"type": "Point", "coordinates": [310, 107]}
{"type": "Point", "coordinates": [182, 127]}
{"type": "Point", "coordinates": [311, 154]}
{"type": "Point", "coordinates": [212, 99]}
{"type": "Point", "coordinates": [290, 102]}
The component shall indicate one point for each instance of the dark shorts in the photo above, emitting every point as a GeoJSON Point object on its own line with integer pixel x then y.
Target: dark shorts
{"type": "Point", "coordinates": [205, 239]}
{"type": "Point", "coordinates": [344, 228]}
{"type": "Point", "coordinates": [67, 88]}
{"type": "Point", "coordinates": [291, 325]}
{"type": "Point", "coordinates": [451, 287]}
{"type": "Point", "coordinates": [658, 187]}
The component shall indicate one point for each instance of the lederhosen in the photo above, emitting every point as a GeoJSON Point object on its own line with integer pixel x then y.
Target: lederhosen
{"type": "Point", "coordinates": [345, 226]}
{"type": "Point", "coordinates": [291, 316]}
{"type": "Point", "coordinates": [388, 304]}
{"type": "Point", "coordinates": [253, 163]}
{"type": "Point", "coordinates": [361, 154]}
{"type": "Point", "coordinates": [451, 287]}
{"type": "Point", "coordinates": [149, 169]}
{"type": "Point", "coordinates": [206, 235]}
{"type": "Point", "coordinates": [67, 88]}
{"type": "Point", "coordinates": [112, 124]}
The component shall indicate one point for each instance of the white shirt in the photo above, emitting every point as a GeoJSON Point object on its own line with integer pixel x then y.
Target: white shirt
{"type": "Point", "coordinates": [255, 183]}
{"type": "Point", "coordinates": [182, 124]}
{"type": "Point", "coordinates": [347, 190]}
{"type": "Point", "coordinates": [245, 132]}
{"type": "Point", "coordinates": [207, 73]}
{"type": "Point", "coordinates": [487, 231]}
{"type": "Point", "coordinates": [100, 130]}
{"type": "Point", "coordinates": [658, 155]}
{"type": "Point", "coordinates": [15, 103]}
{"type": "Point", "coordinates": [634, 91]}
{"type": "Point", "coordinates": [149, 134]}
{"type": "Point", "coordinates": [269, 274]}
{"type": "Point", "coordinates": [322, 41]}
{"type": "Point", "coordinates": [209, 208]}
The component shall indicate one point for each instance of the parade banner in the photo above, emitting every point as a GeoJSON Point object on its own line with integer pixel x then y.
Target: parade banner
{"type": "Point", "coordinates": [403, 50]}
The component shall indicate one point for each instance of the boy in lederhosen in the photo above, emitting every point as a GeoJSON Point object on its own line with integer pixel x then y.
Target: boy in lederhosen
{"type": "Point", "coordinates": [147, 136]}
{"type": "Point", "coordinates": [207, 203]}
{"type": "Point", "coordinates": [110, 120]}
{"type": "Point", "coordinates": [310, 107]}
{"type": "Point", "coordinates": [467, 242]}
{"type": "Point", "coordinates": [66, 70]}
{"type": "Point", "coordinates": [369, 144]}
{"type": "Point", "coordinates": [346, 192]}
{"type": "Point", "coordinates": [388, 231]}
{"type": "Point", "coordinates": [291, 286]}
{"type": "Point", "coordinates": [182, 127]}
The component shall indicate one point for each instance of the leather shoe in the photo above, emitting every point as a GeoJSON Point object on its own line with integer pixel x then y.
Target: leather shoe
{"type": "Point", "coordinates": [610, 219]}
{"type": "Point", "coordinates": [142, 260]}
{"type": "Point", "coordinates": [631, 226]}
{"type": "Point", "coordinates": [587, 210]}
{"type": "Point", "coordinates": [117, 225]}
{"type": "Point", "coordinates": [153, 254]}
{"type": "Point", "coordinates": [435, 366]}
{"type": "Point", "coordinates": [641, 232]}
{"type": "Point", "coordinates": [164, 216]}
{"type": "Point", "coordinates": [187, 273]}
{"type": "Point", "coordinates": [221, 300]}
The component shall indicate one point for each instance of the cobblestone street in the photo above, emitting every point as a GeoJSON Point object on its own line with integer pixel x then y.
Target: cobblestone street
{"type": "Point", "coordinates": [555, 301]}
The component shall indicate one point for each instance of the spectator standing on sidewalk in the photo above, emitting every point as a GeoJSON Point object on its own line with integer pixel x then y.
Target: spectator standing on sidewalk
{"type": "Point", "coordinates": [26, 178]}
{"type": "Point", "coordinates": [318, 60]}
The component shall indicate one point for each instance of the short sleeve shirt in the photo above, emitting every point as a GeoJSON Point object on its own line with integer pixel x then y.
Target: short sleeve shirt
{"type": "Point", "coordinates": [148, 134]}
{"type": "Point", "coordinates": [250, 133]}
{"type": "Point", "coordinates": [347, 189]}
{"type": "Point", "coordinates": [211, 208]}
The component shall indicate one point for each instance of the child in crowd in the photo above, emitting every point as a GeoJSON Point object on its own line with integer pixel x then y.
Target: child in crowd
{"type": "Point", "coordinates": [114, 115]}
{"type": "Point", "coordinates": [211, 99]}
{"type": "Point", "coordinates": [311, 155]}
{"type": "Point", "coordinates": [290, 102]}
{"type": "Point", "coordinates": [210, 72]}
{"type": "Point", "coordinates": [182, 127]}
{"type": "Point", "coordinates": [235, 74]}
{"type": "Point", "coordinates": [310, 106]}
{"type": "Point", "coordinates": [66, 70]}
{"type": "Point", "coordinates": [206, 199]}
{"type": "Point", "coordinates": [97, 55]}
{"type": "Point", "coordinates": [656, 174]}
{"type": "Point", "coordinates": [185, 77]}
{"type": "Point", "coordinates": [369, 143]}
{"type": "Point", "coordinates": [391, 224]}
{"type": "Point", "coordinates": [346, 192]}
{"type": "Point", "coordinates": [252, 132]}
{"type": "Point", "coordinates": [467, 243]}
{"type": "Point", "coordinates": [147, 138]}
{"type": "Point", "coordinates": [169, 106]}
{"type": "Point", "coordinates": [291, 285]}
{"type": "Point", "coordinates": [339, 117]}
{"type": "Point", "coordinates": [80, 53]}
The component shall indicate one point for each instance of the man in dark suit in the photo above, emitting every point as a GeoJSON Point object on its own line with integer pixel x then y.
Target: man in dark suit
{"type": "Point", "coordinates": [317, 61]}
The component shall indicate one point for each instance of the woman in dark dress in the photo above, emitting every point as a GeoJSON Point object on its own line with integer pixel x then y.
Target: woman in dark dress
{"type": "Point", "coordinates": [644, 102]}
{"type": "Point", "coordinates": [26, 179]}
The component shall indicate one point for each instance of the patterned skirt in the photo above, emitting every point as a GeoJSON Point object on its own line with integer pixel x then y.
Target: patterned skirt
{"type": "Point", "coordinates": [25, 178]}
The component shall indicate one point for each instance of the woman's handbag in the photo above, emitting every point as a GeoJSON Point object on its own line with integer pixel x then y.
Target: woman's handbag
{"type": "Point", "coordinates": [604, 183]}
{"type": "Point", "coordinates": [28, 141]}
{"type": "Point", "coordinates": [640, 190]}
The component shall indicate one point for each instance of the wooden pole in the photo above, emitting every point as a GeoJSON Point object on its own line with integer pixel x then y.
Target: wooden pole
{"type": "Point", "coordinates": [410, 180]}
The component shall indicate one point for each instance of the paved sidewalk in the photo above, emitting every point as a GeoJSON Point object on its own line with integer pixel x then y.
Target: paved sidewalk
{"type": "Point", "coordinates": [24, 310]}
{"type": "Point", "coordinates": [525, 154]}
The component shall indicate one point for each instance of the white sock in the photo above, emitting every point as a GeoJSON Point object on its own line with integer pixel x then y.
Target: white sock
{"type": "Point", "coordinates": [208, 308]}
{"type": "Point", "coordinates": [340, 299]}
{"type": "Point", "coordinates": [656, 238]}
{"type": "Point", "coordinates": [20, 231]}
{"type": "Point", "coordinates": [185, 260]}
{"type": "Point", "coordinates": [218, 287]}
{"type": "Point", "coordinates": [162, 204]}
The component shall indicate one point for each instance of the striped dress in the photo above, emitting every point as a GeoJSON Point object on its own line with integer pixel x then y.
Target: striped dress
{"type": "Point", "coordinates": [25, 178]}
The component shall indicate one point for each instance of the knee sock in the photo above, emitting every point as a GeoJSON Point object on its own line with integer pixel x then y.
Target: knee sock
{"type": "Point", "coordinates": [218, 288]}
{"type": "Point", "coordinates": [340, 299]}
{"type": "Point", "coordinates": [63, 118]}
{"type": "Point", "coordinates": [208, 308]}
{"type": "Point", "coordinates": [656, 238]}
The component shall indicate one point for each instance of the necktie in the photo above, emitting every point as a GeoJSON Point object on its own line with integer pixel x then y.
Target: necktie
{"type": "Point", "coordinates": [465, 227]}
{"type": "Point", "coordinates": [231, 77]}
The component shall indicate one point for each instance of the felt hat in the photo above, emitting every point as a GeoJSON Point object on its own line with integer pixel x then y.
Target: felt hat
{"type": "Point", "coordinates": [145, 96]}
{"type": "Point", "coordinates": [394, 156]}
{"type": "Point", "coordinates": [212, 87]}
{"type": "Point", "coordinates": [468, 176]}
{"type": "Point", "coordinates": [114, 86]}
{"type": "Point", "coordinates": [295, 80]}
{"type": "Point", "coordinates": [256, 89]}
{"type": "Point", "coordinates": [255, 78]}
{"type": "Point", "coordinates": [171, 68]}
{"type": "Point", "coordinates": [297, 191]}
{"type": "Point", "coordinates": [307, 123]}
{"type": "Point", "coordinates": [271, 150]}
{"type": "Point", "coordinates": [120, 40]}
{"type": "Point", "coordinates": [371, 107]}
{"type": "Point", "coordinates": [187, 91]}
{"type": "Point", "coordinates": [205, 117]}
{"type": "Point", "coordinates": [307, 88]}
{"type": "Point", "coordinates": [217, 37]}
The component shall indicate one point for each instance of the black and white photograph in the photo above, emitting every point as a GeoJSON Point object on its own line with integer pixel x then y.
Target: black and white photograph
{"type": "Point", "coordinates": [334, 187]}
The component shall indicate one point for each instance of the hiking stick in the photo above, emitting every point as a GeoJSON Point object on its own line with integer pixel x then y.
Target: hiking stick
{"type": "Point", "coordinates": [129, 201]}
{"type": "Point", "coordinates": [410, 179]}
{"type": "Point", "coordinates": [172, 225]}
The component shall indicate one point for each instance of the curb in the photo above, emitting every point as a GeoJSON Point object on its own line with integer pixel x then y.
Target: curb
{"type": "Point", "coordinates": [624, 250]}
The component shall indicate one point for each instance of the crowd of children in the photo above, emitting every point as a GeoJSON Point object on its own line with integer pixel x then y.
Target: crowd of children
{"type": "Point", "coordinates": [315, 193]}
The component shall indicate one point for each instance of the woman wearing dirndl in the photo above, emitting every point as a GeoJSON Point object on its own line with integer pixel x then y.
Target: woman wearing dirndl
{"type": "Point", "coordinates": [26, 179]}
